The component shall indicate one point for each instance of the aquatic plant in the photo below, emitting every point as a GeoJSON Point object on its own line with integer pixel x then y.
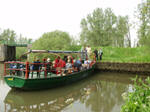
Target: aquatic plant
{"type": "Point", "coordinates": [139, 99]}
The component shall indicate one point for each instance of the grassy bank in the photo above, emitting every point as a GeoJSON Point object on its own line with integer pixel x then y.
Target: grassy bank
{"type": "Point", "coordinates": [114, 54]}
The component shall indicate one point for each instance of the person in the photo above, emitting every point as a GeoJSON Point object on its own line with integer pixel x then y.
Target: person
{"type": "Point", "coordinates": [100, 53]}
{"type": "Point", "coordinates": [49, 65]}
{"type": "Point", "coordinates": [88, 51]}
{"type": "Point", "coordinates": [69, 66]}
{"type": "Point", "coordinates": [36, 67]}
{"type": "Point", "coordinates": [86, 63]}
{"type": "Point", "coordinates": [43, 64]}
{"type": "Point", "coordinates": [96, 54]}
{"type": "Point", "coordinates": [57, 61]}
{"type": "Point", "coordinates": [65, 58]}
{"type": "Point", "coordinates": [77, 65]}
{"type": "Point", "coordinates": [84, 53]}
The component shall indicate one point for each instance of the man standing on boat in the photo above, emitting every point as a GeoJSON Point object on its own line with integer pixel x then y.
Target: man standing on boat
{"type": "Point", "coordinates": [88, 51]}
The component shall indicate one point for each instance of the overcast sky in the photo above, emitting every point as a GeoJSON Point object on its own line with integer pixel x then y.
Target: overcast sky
{"type": "Point", "coordinates": [32, 18]}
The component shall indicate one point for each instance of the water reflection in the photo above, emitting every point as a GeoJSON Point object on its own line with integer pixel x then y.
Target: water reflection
{"type": "Point", "coordinates": [99, 93]}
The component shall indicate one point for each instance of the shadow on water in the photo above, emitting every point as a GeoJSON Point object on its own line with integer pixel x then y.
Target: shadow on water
{"type": "Point", "coordinates": [99, 93]}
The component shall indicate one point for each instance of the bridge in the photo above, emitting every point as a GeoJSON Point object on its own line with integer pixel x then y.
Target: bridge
{"type": "Point", "coordinates": [8, 43]}
{"type": "Point", "coordinates": [8, 50]}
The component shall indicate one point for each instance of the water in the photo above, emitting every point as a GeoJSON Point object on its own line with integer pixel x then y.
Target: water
{"type": "Point", "coordinates": [98, 93]}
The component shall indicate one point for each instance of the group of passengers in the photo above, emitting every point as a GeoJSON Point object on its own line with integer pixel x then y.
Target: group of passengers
{"type": "Point", "coordinates": [59, 66]}
{"type": "Point", "coordinates": [68, 65]}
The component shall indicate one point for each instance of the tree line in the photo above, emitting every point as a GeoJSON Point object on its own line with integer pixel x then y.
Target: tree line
{"type": "Point", "coordinates": [99, 28]}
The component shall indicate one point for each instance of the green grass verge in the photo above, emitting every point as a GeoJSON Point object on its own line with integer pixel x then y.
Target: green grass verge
{"type": "Point", "coordinates": [114, 54]}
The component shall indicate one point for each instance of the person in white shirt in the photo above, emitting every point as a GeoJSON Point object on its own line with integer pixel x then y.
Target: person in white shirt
{"type": "Point", "coordinates": [88, 51]}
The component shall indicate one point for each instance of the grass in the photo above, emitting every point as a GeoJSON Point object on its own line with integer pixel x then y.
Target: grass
{"type": "Point", "coordinates": [114, 54]}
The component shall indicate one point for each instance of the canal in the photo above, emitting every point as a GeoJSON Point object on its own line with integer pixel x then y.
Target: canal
{"type": "Point", "coordinates": [102, 92]}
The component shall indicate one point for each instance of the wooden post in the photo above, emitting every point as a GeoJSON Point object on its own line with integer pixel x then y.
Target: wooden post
{"type": "Point", "coordinates": [27, 70]}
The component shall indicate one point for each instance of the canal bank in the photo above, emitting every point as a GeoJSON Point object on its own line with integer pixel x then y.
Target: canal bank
{"type": "Point", "coordinates": [124, 67]}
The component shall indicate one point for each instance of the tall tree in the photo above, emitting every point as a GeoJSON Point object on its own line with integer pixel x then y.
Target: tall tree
{"type": "Point", "coordinates": [144, 17]}
{"type": "Point", "coordinates": [122, 32]}
{"type": "Point", "coordinates": [103, 28]}
{"type": "Point", "coordinates": [8, 36]}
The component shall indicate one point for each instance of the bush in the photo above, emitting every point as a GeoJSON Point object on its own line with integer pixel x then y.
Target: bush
{"type": "Point", "coordinates": [139, 99]}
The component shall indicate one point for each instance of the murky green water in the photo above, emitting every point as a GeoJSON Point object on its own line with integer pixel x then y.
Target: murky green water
{"type": "Point", "coordinates": [98, 93]}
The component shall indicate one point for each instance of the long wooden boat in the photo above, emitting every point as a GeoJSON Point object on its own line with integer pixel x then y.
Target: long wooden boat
{"type": "Point", "coordinates": [30, 101]}
{"type": "Point", "coordinates": [50, 80]}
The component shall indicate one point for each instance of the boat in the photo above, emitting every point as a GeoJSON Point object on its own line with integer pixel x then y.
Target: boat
{"type": "Point", "coordinates": [20, 78]}
{"type": "Point", "coordinates": [50, 100]}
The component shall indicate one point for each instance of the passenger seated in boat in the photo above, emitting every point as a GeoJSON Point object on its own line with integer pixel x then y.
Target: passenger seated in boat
{"type": "Point", "coordinates": [53, 67]}
{"type": "Point", "coordinates": [36, 67]}
{"type": "Point", "coordinates": [48, 66]}
{"type": "Point", "coordinates": [86, 64]}
{"type": "Point", "coordinates": [22, 69]}
{"type": "Point", "coordinates": [62, 64]}
{"type": "Point", "coordinates": [57, 61]}
{"type": "Point", "coordinates": [77, 65]}
{"type": "Point", "coordinates": [65, 59]}
{"type": "Point", "coordinates": [43, 65]}
{"type": "Point", "coordinates": [12, 66]}
{"type": "Point", "coordinates": [69, 66]}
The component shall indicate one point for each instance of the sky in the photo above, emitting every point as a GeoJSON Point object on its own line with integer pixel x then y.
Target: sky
{"type": "Point", "coordinates": [32, 18]}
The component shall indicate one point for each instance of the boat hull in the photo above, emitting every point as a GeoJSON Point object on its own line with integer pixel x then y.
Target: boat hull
{"type": "Point", "coordinates": [45, 83]}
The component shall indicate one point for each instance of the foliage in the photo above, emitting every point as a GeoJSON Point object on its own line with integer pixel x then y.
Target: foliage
{"type": "Point", "coordinates": [139, 99]}
{"type": "Point", "coordinates": [144, 18]}
{"type": "Point", "coordinates": [22, 50]}
{"type": "Point", "coordinates": [104, 28]}
{"type": "Point", "coordinates": [56, 40]}
{"type": "Point", "coordinates": [8, 36]}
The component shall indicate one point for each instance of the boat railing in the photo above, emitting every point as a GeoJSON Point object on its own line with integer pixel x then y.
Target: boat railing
{"type": "Point", "coordinates": [27, 69]}
{"type": "Point", "coordinates": [24, 69]}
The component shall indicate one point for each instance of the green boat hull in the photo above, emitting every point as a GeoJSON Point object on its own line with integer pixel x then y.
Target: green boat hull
{"type": "Point", "coordinates": [45, 83]}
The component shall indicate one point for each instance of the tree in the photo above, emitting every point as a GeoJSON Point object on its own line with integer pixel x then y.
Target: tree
{"type": "Point", "coordinates": [22, 40]}
{"type": "Point", "coordinates": [56, 40]}
{"type": "Point", "coordinates": [144, 18]}
{"type": "Point", "coordinates": [8, 36]}
{"type": "Point", "coordinates": [122, 32]}
{"type": "Point", "coordinates": [104, 28]}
